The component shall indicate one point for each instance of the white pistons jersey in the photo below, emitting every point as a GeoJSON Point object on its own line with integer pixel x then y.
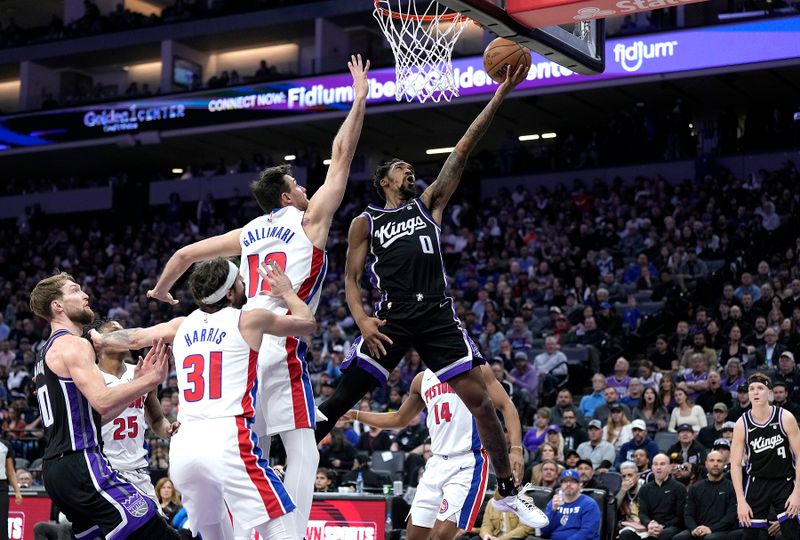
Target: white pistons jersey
{"type": "Point", "coordinates": [123, 438]}
{"type": "Point", "coordinates": [216, 368]}
{"type": "Point", "coordinates": [279, 237]}
{"type": "Point", "coordinates": [450, 423]}
{"type": "Point", "coordinates": [285, 393]}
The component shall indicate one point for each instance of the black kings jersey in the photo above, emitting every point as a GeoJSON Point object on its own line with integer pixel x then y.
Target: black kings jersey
{"type": "Point", "coordinates": [70, 423]}
{"type": "Point", "coordinates": [405, 258]}
{"type": "Point", "coordinates": [768, 449]}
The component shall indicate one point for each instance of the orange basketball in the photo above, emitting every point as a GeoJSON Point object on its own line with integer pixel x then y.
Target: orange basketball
{"type": "Point", "coordinates": [501, 55]}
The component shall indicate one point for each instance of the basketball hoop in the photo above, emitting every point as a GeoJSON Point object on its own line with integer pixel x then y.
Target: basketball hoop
{"type": "Point", "coordinates": [422, 39]}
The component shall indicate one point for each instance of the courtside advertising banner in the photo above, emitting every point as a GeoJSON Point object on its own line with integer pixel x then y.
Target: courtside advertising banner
{"type": "Point", "coordinates": [742, 44]}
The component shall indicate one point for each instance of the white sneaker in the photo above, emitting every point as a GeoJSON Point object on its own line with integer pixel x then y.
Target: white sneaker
{"type": "Point", "coordinates": [522, 505]}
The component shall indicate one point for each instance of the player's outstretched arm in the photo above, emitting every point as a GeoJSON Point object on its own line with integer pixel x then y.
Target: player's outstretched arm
{"type": "Point", "coordinates": [323, 205]}
{"type": "Point", "coordinates": [224, 245]}
{"type": "Point", "coordinates": [743, 511]}
{"type": "Point", "coordinates": [135, 338]}
{"type": "Point", "coordinates": [357, 246]}
{"type": "Point", "coordinates": [437, 195]}
{"type": "Point", "coordinates": [77, 356]}
{"type": "Point", "coordinates": [502, 402]}
{"type": "Point", "coordinates": [398, 419]}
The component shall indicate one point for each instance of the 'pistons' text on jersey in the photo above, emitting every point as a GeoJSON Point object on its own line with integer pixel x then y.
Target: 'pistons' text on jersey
{"type": "Point", "coordinates": [767, 446]}
{"type": "Point", "coordinates": [405, 255]}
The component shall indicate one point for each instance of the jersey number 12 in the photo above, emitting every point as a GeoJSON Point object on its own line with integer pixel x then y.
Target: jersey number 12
{"type": "Point", "coordinates": [253, 262]}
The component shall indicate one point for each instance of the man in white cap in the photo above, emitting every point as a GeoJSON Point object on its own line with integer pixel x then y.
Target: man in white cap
{"type": "Point", "coordinates": [640, 440]}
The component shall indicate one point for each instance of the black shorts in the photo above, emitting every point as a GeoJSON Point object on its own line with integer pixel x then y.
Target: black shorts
{"type": "Point", "coordinates": [763, 493]}
{"type": "Point", "coordinates": [94, 498]}
{"type": "Point", "coordinates": [429, 327]}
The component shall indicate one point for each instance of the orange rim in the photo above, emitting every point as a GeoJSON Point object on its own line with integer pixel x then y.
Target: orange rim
{"type": "Point", "coordinates": [449, 17]}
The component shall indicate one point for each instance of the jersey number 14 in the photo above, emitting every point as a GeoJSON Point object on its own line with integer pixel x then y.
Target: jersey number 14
{"type": "Point", "coordinates": [441, 413]}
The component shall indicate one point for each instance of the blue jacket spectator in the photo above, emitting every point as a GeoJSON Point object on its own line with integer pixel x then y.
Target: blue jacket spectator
{"type": "Point", "coordinates": [576, 517]}
{"type": "Point", "coordinates": [590, 402]}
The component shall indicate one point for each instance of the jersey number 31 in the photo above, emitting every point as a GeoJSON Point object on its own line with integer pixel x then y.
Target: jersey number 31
{"type": "Point", "coordinates": [198, 373]}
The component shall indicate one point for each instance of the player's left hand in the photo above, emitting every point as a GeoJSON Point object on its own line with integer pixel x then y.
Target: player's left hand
{"type": "Point", "coordinates": [513, 79]}
{"type": "Point", "coordinates": [172, 429]}
{"type": "Point", "coordinates": [517, 463]}
{"type": "Point", "coordinates": [774, 528]}
{"type": "Point", "coordinates": [359, 69]}
{"type": "Point", "coordinates": [18, 498]}
{"type": "Point", "coordinates": [279, 284]}
{"type": "Point", "coordinates": [792, 504]}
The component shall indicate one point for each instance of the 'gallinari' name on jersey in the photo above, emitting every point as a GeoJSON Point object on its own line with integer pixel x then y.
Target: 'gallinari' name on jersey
{"type": "Point", "coordinates": [255, 234]}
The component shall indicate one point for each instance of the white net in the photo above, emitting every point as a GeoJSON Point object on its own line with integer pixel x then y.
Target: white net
{"type": "Point", "coordinates": [422, 40]}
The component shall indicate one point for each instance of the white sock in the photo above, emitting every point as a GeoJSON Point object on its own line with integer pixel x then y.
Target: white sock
{"type": "Point", "coordinates": [302, 459]}
{"type": "Point", "coordinates": [278, 528]}
{"type": "Point", "coordinates": [218, 531]}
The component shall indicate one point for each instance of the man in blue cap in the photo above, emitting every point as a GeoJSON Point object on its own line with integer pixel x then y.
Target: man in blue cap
{"type": "Point", "coordinates": [572, 515]}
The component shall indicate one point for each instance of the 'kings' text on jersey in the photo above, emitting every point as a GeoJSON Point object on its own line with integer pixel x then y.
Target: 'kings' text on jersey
{"type": "Point", "coordinates": [405, 255]}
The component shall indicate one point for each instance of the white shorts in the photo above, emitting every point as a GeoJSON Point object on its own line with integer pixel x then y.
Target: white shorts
{"type": "Point", "coordinates": [141, 479]}
{"type": "Point", "coordinates": [451, 488]}
{"type": "Point", "coordinates": [285, 399]}
{"type": "Point", "coordinates": [218, 467]}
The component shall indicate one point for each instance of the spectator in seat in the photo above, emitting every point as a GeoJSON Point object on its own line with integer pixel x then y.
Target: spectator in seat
{"type": "Point", "coordinates": [695, 380]}
{"type": "Point", "coordinates": [642, 461]}
{"type": "Point", "coordinates": [617, 430]}
{"type": "Point", "coordinates": [699, 347]}
{"type": "Point", "coordinates": [687, 447]}
{"type": "Point", "coordinates": [681, 339]}
{"type": "Point", "coordinates": [733, 377]}
{"type": "Point", "coordinates": [596, 450]}
{"type": "Point", "coordinates": [661, 504]}
{"type": "Point", "coordinates": [747, 286]}
{"type": "Point", "coordinates": [742, 403]}
{"type": "Point", "coordinates": [723, 446]}
{"type": "Point", "coordinates": [363, 464]}
{"type": "Point", "coordinates": [336, 452]}
{"type": "Point", "coordinates": [590, 402]}
{"type": "Point", "coordinates": [520, 337]}
{"type": "Point", "coordinates": [647, 374]}
{"type": "Point", "coordinates": [536, 435]}
{"type": "Point", "coordinates": [573, 516]}
{"type": "Point", "coordinates": [635, 390]}
{"type": "Point", "coordinates": [781, 395]}
{"type": "Point", "coordinates": [550, 365]}
{"type": "Point", "coordinates": [714, 393]}
{"type": "Point", "coordinates": [640, 440]}
{"type": "Point", "coordinates": [787, 371]}
{"type": "Point", "coordinates": [612, 398]}
{"type": "Point", "coordinates": [686, 413]}
{"type": "Point", "coordinates": [168, 498]}
{"type": "Point", "coordinates": [324, 481]}
{"type": "Point", "coordinates": [652, 412]}
{"type": "Point", "coordinates": [545, 474]}
{"type": "Point", "coordinates": [524, 376]}
{"type": "Point", "coordinates": [735, 346]}
{"type": "Point", "coordinates": [712, 432]}
{"type": "Point", "coordinates": [628, 499]}
{"type": "Point", "coordinates": [586, 474]}
{"type": "Point", "coordinates": [573, 433]}
{"type": "Point", "coordinates": [563, 404]}
{"type": "Point", "coordinates": [663, 357]}
{"type": "Point", "coordinates": [620, 379]}
{"type": "Point", "coordinates": [374, 439]}
{"type": "Point", "coordinates": [710, 511]}
{"type": "Point", "coordinates": [411, 436]}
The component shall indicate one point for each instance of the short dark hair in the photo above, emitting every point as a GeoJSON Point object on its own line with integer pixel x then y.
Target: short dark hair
{"type": "Point", "coordinates": [270, 185]}
{"type": "Point", "coordinates": [207, 277]}
{"type": "Point", "coordinates": [380, 174]}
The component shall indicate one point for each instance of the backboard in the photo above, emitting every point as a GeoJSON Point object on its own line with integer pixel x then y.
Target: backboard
{"type": "Point", "coordinates": [579, 46]}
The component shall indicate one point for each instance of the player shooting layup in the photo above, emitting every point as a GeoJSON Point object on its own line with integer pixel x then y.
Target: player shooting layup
{"type": "Point", "coordinates": [405, 264]}
{"type": "Point", "coordinates": [292, 232]}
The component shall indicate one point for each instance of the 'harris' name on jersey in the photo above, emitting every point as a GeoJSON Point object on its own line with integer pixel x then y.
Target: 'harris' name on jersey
{"type": "Point", "coordinates": [213, 335]}
{"type": "Point", "coordinates": [284, 234]}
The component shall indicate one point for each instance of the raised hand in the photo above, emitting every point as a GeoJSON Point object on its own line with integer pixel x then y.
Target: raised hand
{"type": "Point", "coordinates": [279, 284]}
{"type": "Point", "coordinates": [513, 79]}
{"type": "Point", "coordinates": [359, 72]}
{"type": "Point", "coordinates": [155, 364]}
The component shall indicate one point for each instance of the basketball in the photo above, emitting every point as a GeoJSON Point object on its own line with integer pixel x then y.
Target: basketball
{"type": "Point", "coordinates": [502, 54]}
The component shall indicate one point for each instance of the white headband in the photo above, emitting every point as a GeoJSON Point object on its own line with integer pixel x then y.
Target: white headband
{"type": "Point", "coordinates": [217, 295]}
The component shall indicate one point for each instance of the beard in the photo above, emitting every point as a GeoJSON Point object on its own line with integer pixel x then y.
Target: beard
{"type": "Point", "coordinates": [239, 300]}
{"type": "Point", "coordinates": [81, 316]}
{"type": "Point", "coordinates": [408, 192]}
